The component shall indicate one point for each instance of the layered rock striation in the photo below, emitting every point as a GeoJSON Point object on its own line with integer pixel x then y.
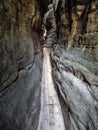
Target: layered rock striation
{"type": "Point", "coordinates": [20, 64]}
{"type": "Point", "coordinates": [75, 63]}
{"type": "Point", "coordinates": [74, 60]}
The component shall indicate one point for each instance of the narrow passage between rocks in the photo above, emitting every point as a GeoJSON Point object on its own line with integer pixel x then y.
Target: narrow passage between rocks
{"type": "Point", "coordinates": [51, 117]}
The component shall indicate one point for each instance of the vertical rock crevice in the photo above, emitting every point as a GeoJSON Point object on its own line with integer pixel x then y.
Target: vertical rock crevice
{"type": "Point", "coordinates": [74, 61]}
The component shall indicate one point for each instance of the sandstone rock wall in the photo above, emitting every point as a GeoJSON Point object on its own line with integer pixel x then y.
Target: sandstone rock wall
{"type": "Point", "coordinates": [20, 64]}
{"type": "Point", "coordinates": [75, 63]}
{"type": "Point", "coordinates": [77, 17]}
{"type": "Point", "coordinates": [75, 76]}
{"type": "Point", "coordinates": [77, 24]}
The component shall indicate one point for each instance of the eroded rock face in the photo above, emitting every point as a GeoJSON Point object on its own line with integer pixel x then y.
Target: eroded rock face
{"type": "Point", "coordinates": [74, 60]}
{"type": "Point", "coordinates": [77, 17]}
{"type": "Point", "coordinates": [20, 64]}
{"type": "Point", "coordinates": [76, 79]}
{"type": "Point", "coordinates": [75, 64]}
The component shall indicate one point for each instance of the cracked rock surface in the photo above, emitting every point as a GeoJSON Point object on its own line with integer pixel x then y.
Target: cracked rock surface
{"type": "Point", "coordinates": [74, 61]}
{"type": "Point", "coordinates": [76, 80]}
{"type": "Point", "coordinates": [20, 64]}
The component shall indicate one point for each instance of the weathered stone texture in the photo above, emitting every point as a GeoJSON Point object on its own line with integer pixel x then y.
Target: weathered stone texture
{"type": "Point", "coordinates": [75, 64]}
{"type": "Point", "coordinates": [75, 75]}
{"type": "Point", "coordinates": [74, 60]}
{"type": "Point", "coordinates": [20, 64]}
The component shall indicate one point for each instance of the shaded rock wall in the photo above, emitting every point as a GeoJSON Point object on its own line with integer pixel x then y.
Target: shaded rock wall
{"type": "Point", "coordinates": [75, 75]}
{"type": "Point", "coordinates": [75, 63]}
{"type": "Point", "coordinates": [77, 17]}
{"type": "Point", "coordinates": [77, 24]}
{"type": "Point", "coordinates": [20, 64]}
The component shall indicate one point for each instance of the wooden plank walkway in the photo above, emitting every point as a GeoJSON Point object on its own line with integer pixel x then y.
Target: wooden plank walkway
{"type": "Point", "coordinates": [51, 117]}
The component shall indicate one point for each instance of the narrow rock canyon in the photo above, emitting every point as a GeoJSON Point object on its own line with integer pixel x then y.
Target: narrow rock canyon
{"type": "Point", "coordinates": [51, 117]}
{"type": "Point", "coordinates": [48, 65]}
